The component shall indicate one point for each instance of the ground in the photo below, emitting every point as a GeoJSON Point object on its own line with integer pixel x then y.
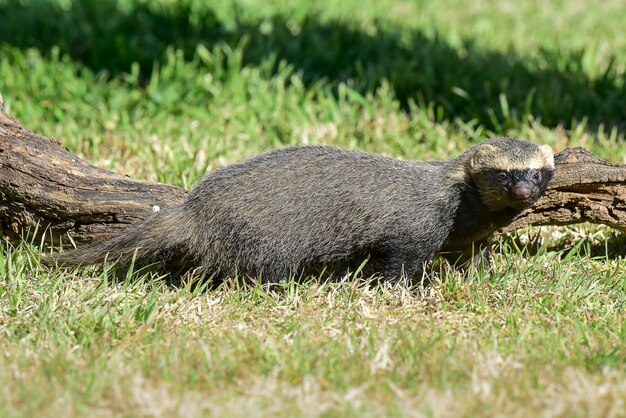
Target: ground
{"type": "Point", "coordinates": [168, 90]}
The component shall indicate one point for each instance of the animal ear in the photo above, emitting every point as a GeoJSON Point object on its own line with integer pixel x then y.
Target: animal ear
{"type": "Point", "coordinates": [546, 150]}
{"type": "Point", "coordinates": [483, 154]}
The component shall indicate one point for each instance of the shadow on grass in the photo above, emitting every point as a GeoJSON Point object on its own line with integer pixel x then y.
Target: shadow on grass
{"type": "Point", "coordinates": [466, 82]}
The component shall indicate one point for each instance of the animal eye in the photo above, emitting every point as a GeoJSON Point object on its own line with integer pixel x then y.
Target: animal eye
{"type": "Point", "coordinates": [536, 176]}
{"type": "Point", "coordinates": [503, 177]}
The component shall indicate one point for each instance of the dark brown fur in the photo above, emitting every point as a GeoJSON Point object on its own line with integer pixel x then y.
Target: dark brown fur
{"type": "Point", "coordinates": [302, 208]}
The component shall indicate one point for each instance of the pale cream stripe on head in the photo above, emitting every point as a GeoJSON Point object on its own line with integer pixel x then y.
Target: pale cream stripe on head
{"type": "Point", "coordinates": [488, 156]}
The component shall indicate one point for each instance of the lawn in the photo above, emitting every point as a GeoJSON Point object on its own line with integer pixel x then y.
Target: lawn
{"type": "Point", "coordinates": [168, 90]}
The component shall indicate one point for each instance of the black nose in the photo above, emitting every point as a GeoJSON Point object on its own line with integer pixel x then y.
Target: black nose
{"type": "Point", "coordinates": [521, 192]}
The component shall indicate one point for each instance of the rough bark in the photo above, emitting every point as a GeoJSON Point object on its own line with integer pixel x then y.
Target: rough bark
{"type": "Point", "coordinates": [48, 194]}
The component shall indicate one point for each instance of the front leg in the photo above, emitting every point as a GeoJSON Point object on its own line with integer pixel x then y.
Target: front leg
{"type": "Point", "coordinates": [404, 269]}
{"type": "Point", "coordinates": [405, 261]}
{"type": "Point", "coordinates": [475, 256]}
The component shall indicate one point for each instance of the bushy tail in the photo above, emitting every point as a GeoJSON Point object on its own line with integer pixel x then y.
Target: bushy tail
{"type": "Point", "coordinates": [156, 237]}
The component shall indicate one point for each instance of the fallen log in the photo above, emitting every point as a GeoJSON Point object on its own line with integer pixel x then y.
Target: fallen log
{"type": "Point", "coordinates": [48, 194]}
{"type": "Point", "coordinates": [52, 196]}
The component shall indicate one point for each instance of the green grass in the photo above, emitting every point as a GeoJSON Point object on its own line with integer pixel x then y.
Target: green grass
{"type": "Point", "coordinates": [167, 90]}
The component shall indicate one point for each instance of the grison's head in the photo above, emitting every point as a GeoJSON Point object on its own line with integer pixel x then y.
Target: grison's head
{"type": "Point", "coordinates": [511, 173]}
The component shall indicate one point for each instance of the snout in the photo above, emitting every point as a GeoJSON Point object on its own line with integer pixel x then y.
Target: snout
{"type": "Point", "coordinates": [521, 192]}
